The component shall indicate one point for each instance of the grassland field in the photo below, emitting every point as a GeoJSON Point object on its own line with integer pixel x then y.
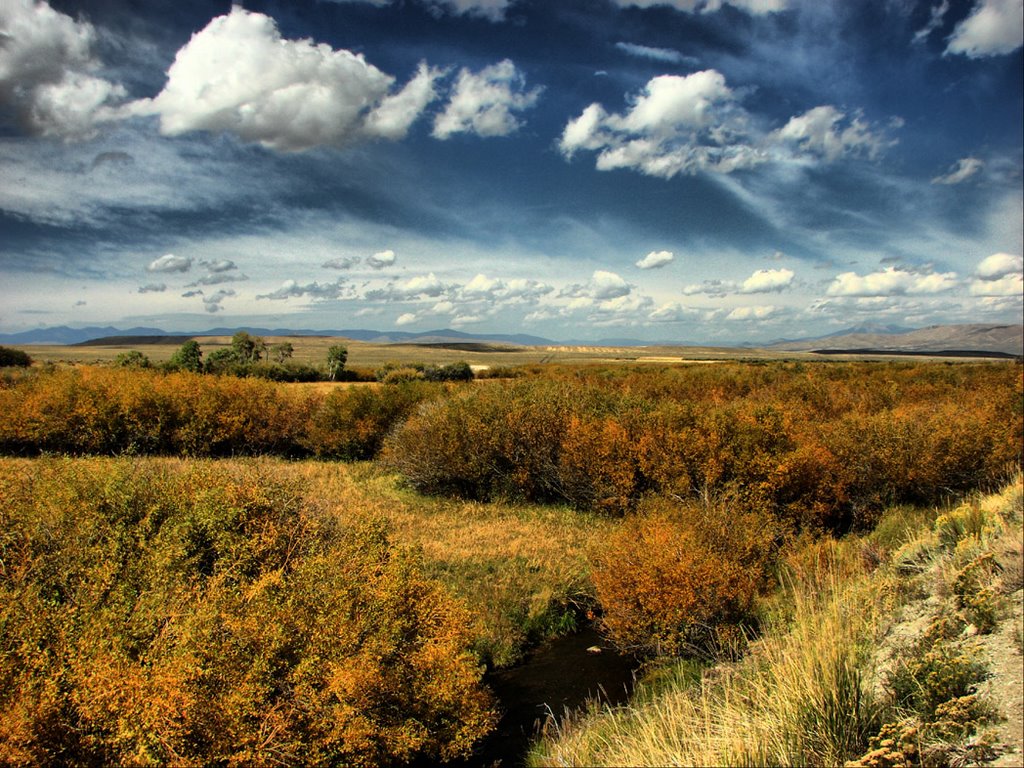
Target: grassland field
{"type": "Point", "coordinates": [522, 571]}
{"type": "Point", "coordinates": [312, 350]}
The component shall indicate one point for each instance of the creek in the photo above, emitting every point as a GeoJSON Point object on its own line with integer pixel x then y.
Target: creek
{"type": "Point", "coordinates": [558, 677]}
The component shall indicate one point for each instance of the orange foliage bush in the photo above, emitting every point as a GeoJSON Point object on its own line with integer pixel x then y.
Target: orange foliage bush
{"type": "Point", "coordinates": [683, 578]}
{"type": "Point", "coordinates": [189, 616]}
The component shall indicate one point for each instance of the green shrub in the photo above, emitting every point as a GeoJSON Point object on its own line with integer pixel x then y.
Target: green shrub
{"type": "Point", "coordinates": [14, 358]}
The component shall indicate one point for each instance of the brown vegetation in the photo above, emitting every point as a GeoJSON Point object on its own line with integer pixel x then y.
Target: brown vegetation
{"type": "Point", "coordinates": [190, 614]}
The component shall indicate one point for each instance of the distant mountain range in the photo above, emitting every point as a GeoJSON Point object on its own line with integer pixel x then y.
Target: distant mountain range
{"type": "Point", "coordinates": [975, 338]}
{"type": "Point", "coordinates": [1002, 339]}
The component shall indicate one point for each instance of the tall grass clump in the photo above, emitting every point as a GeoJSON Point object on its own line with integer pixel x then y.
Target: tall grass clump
{"type": "Point", "coordinates": [190, 614]}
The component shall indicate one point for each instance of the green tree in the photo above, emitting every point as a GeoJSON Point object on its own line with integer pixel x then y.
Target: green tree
{"type": "Point", "coordinates": [132, 359]}
{"type": "Point", "coordinates": [188, 357]}
{"type": "Point", "coordinates": [248, 349]}
{"type": "Point", "coordinates": [281, 352]}
{"type": "Point", "coordinates": [220, 360]}
{"type": "Point", "coordinates": [14, 357]}
{"type": "Point", "coordinates": [337, 356]}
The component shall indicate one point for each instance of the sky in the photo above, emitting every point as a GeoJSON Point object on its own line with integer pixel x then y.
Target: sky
{"type": "Point", "coordinates": [663, 170]}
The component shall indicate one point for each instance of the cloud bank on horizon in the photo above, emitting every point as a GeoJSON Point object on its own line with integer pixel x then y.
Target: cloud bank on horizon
{"type": "Point", "coordinates": [705, 170]}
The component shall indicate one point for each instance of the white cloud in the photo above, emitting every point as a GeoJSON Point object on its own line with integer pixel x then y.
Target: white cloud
{"type": "Point", "coordinates": [239, 75]}
{"type": "Point", "coordinates": [962, 170]}
{"type": "Point", "coordinates": [483, 103]}
{"type": "Point", "coordinates": [341, 262]}
{"type": "Point", "coordinates": [215, 278]}
{"type": "Point", "coordinates": [427, 285]}
{"type": "Point", "coordinates": [381, 259]}
{"type": "Point", "coordinates": [934, 22]}
{"type": "Point", "coordinates": [170, 263]}
{"type": "Point", "coordinates": [646, 52]}
{"type": "Point", "coordinates": [994, 27]}
{"type": "Point", "coordinates": [493, 10]}
{"type": "Point", "coordinates": [999, 265]}
{"type": "Point", "coordinates": [290, 289]}
{"type": "Point", "coordinates": [655, 259]}
{"type": "Point", "coordinates": [753, 313]}
{"type": "Point", "coordinates": [767, 280]}
{"type": "Point", "coordinates": [46, 71]}
{"type": "Point", "coordinates": [222, 265]}
{"type": "Point", "coordinates": [673, 312]}
{"type": "Point", "coordinates": [603, 285]}
{"type": "Point", "coordinates": [891, 281]}
{"type": "Point", "coordinates": [820, 132]}
{"type": "Point", "coordinates": [707, 6]}
{"type": "Point", "coordinates": [1007, 285]}
{"type": "Point", "coordinates": [213, 302]}
{"type": "Point", "coordinates": [406, 319]}
{"type": "Point", "coordinates": [677, 124]}
{"type": "Point", "coordinates": [693, 123]}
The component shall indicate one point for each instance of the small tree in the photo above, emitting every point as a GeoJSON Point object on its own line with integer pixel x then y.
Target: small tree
{"type": "Point", "coordinates": [188, 357]}
{"type": "Point", "coordinates": [220, 360]}
{"type": "Point", "coordinates": [247, 349]}
{"type": "Point", "coordinates": [337, 356]}
{"type": "Point", "coordinates": [132, 359]}
{"type": "Point", "coordinates": [281, 352]}
{"type": "Point", "coordinates": [14, 357]}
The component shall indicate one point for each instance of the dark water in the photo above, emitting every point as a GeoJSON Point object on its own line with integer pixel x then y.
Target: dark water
{"type": "Point", "coordinates": [558, 676]}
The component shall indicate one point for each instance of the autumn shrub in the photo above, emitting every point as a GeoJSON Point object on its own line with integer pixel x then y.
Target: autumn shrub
{"type": "Point", "coordinates": [194, 615]}
{"type": "Point", "coordinates": [352, 423]}
{"type": "Point", "coordinates": [682, 579]}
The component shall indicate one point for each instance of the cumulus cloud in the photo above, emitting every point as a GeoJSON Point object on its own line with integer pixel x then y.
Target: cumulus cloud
{"type": "Point", "coordinates": [290, 289]}
{"type": "Point", "coordinates": [707, 6]}
{"type": "Point", "coordinates": [170, 263]}
{"type": "Point", "coordinates": [686, 124]}
{"type": "Point", "coordinates": [891, 281]}
{"type": "Point", "coordinates": [212, 302]}
{"type": "Point", "coordinates": [152, 288]}
{"type": "Point", "coordinates": [753, 313]}
{"type": "Point", "coordinates": [1007, 285]}
{"type": "Point", "coordinates": [484, 103]}
{"type": "Point", "coordinates": [829, 133]}
{"type": "Point", "coordinates": [647, 52]}
{"type": "Point", "coordinates": [218, 278]}
{"type": "Point", "coordinates": [428, 286]}
{"type": "Point", "coordinates": [999, 265]}
{"type": "Point", "coordinates": [341, 262]}
{"type": "Point", "coordinates": [222, 265]}
{"type": "Point", "coordinates": [238, 75]}
{"type": "Point", "coordinates": [655, 260]}
{"type": "Point", "coordinates": [767, 281]}
{"type": "Point", "coordinates": [673, 312]}
{"type": "Point", "coordinates": [47, 72]}
{"type": "Point", "coordinates": [677, 124]}
{"type": "Point", "coordinates": [962, 170]}
{"type": "Point", "coordinates": [994, 27]}
{"type": "Point", "coordinates": [381, 260]}
{"type": "Point", "coordinates": [407, 319]}
{"type": "Point", "coordinates": [602, 286]}
{"type": "Point", "coordinates": [999, 275]}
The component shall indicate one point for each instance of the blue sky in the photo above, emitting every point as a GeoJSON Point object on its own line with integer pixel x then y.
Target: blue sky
{"type": "Point", "coordinates": [699, 170]}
